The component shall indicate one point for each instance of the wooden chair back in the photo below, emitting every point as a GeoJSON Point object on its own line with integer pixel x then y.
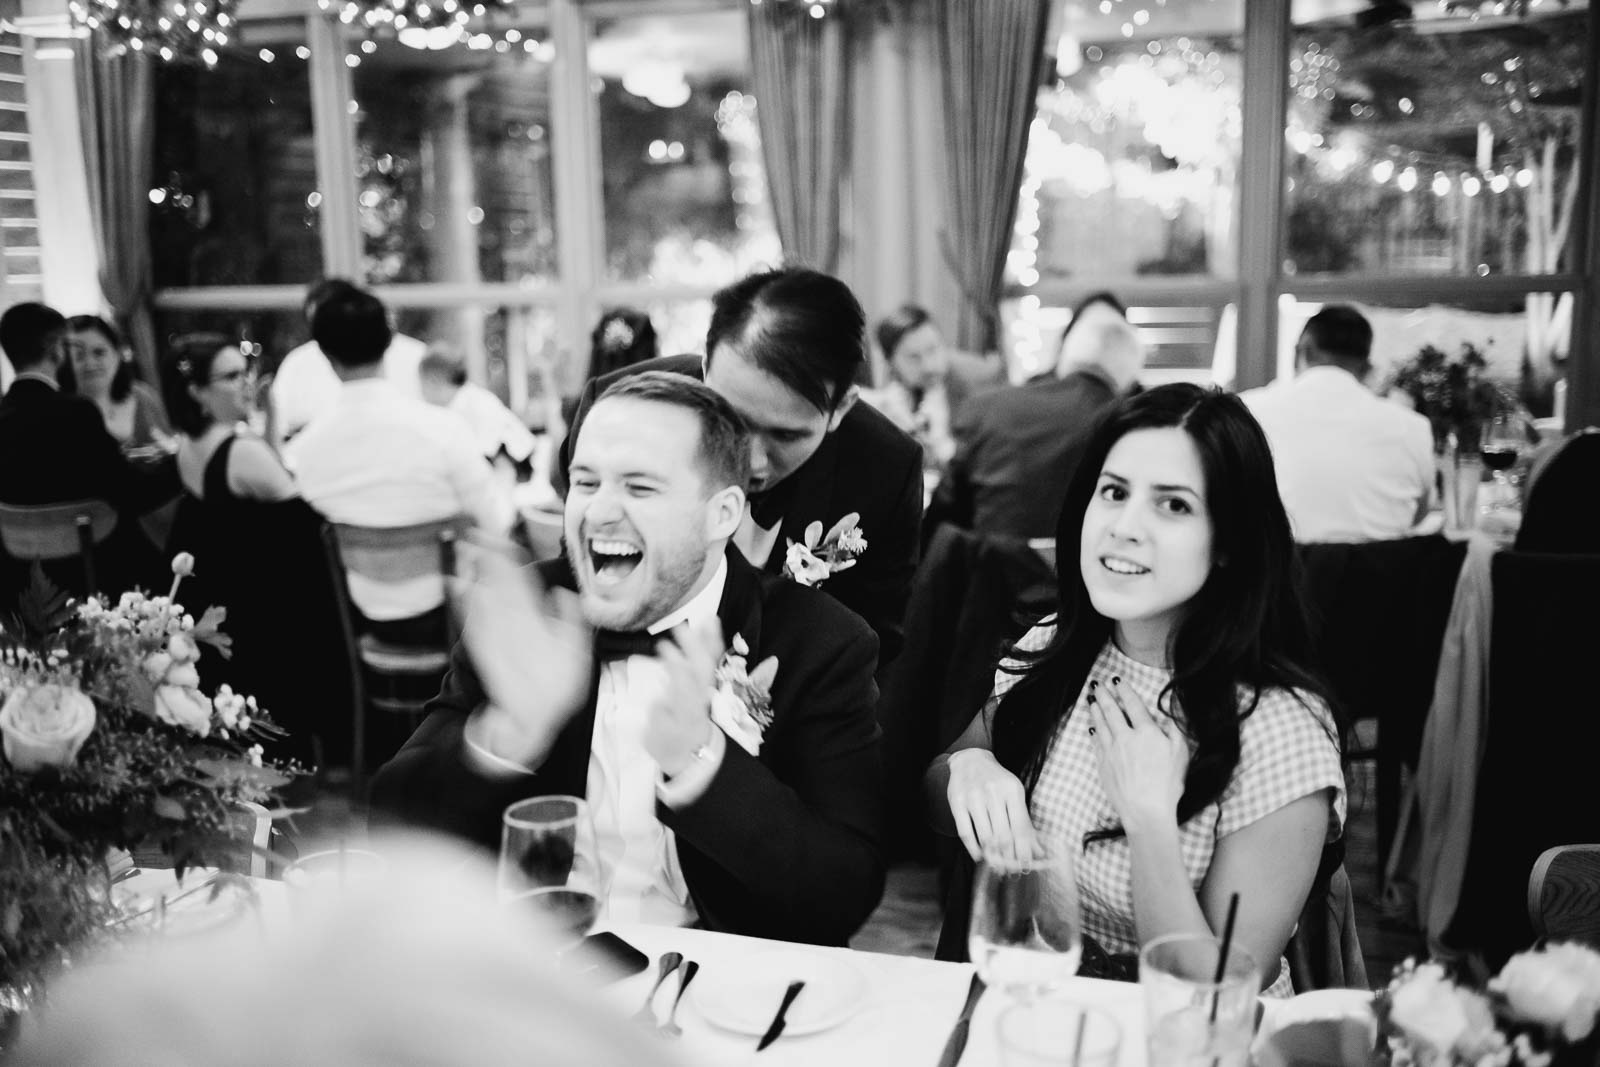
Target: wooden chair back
{"type": "Point", "coordinates": [398, 553]}
{"type": "Point", "coordinates": [1564, 894]}
{"type": "Point", "coordinates": [57, 531]}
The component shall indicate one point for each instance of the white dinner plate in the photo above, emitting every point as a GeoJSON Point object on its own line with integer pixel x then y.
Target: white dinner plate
{"type": "Point", "coordinates": [742, 993]}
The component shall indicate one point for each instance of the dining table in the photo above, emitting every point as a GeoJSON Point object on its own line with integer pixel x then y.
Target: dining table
{"type": "Point", "coordinates": [881, 1009]}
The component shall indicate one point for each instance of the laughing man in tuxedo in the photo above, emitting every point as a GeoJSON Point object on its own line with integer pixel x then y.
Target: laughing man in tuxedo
{"type": "Point", "coordinates": [785, 349]}
{"type": "Point", "coordinates": [703, 814]}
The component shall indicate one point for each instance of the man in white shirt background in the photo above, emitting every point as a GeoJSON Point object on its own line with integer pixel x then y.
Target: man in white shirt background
{"type": "Point", "coordinates": [305, 384]}
{"type": "Point", "coordinates": [1351, 465]}
{"type": "Point", "coordinates": [709, 807]}
{"type": "Point", "coordinates": [381, 457]}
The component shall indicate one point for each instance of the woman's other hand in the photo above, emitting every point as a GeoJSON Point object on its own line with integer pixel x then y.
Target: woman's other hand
{"type": "Point", "coordinates": [989, 806]}
{"type": "Point", "coordinates": [1143, 757]}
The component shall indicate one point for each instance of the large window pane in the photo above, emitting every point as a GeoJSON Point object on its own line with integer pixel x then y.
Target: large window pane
{"type": "Point", "coordinates": [683, 186]}
{"type": "Point", "coordinates": [1433, 143]}
{"type": "Point", "coordinates": [234, 192]}
{"type": "Point", "coordinates": [1133, 158]}
{"type": "Point", "coordinates": [453, 160]}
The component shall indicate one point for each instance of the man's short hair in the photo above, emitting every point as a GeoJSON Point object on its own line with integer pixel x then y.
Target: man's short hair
{"type": "Point", "coordinates": [724, 453]}
{"type": "Point", "coordinates": [443, 362]}
{"type": "Point", "coordinates": [1341, 333]}
{"type": "Point", "coordinates": [801, 326]}
{"type": "Point", "coordinates": [352, 328]}
{"type": "Point", "coordinates": [26, 331]}
{"type": "Point", "coordinates": [317, 292]}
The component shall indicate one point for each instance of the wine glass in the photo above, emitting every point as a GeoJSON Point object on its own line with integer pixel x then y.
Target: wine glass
{"type": "Point", "coordinates": [1024, 936]}
{"type": "Point", "coordinates": [1502, 441]}
{"type": "Point", "coordinates": [548, 861]}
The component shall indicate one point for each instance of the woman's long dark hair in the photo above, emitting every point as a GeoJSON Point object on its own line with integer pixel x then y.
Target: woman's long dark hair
{"type": "Point", "coordinates": [1243, 632]}
{"type": "Point", "coordinates": [123, 378]}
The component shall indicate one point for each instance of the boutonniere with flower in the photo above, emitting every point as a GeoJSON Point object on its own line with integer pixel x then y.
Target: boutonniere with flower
{"type": "Point", "coordinates": [819, 558]}
{"type": "Point", "coordinates": [741, 702]}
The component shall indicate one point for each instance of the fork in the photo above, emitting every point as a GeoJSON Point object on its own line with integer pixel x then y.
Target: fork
{"type": "Point", "coordinates": [670, 1028]}
{"type": "Point", "coordinates": [669, 963]}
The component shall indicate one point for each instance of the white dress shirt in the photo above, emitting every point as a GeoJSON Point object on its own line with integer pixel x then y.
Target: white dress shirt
{"type": "Point", "coordinates": [381, 458]}
{"type": "Point", "coordinates": [638, 855]}
{"type": "Point", "coordinates": [494, 426]}
{"type": "Point", "coordinates": [1351, 465]}
{"type": "Point", "coordinates": [305, 385]}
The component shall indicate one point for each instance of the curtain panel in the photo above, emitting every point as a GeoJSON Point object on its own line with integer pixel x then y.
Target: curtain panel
{"type": "Point", "coordinates": [801, 72]}
{"type": "Point", "coordinates": [117, 96]}
{"type": "Point", "coordinates": [992, 52]}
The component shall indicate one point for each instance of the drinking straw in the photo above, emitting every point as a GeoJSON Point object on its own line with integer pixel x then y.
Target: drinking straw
{"type": "Point", "coordinates": [1077, 1044]}
{"type": "Point", "coordinates": [1222, 961]}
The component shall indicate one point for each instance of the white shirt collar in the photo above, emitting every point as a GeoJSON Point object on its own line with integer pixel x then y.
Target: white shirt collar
{"type": "Point", "coordinates": [368, 390]}
{"type": "Point", "coordinates": [37, 376]}
{"type": "Point", "coordinates": [702, 605]}
{"type": "Point", "coordinates": [1330, 377]}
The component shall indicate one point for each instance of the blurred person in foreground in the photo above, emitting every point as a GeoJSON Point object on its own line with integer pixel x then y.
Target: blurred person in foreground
{"type": "Point", "coordinates": [417, 969]}
{"type": "Point", "coordinates": [784, 348]}
{"type": "Point", "coordinates": [720, 723]}
{"type": "Point", "coordinates": [1017, 447]}
{"type": "Point", "coordinates": [1163, 724]}
{"type": "Point", "coordinates": [99, 366]}
{"type": "Point", "coordinates": [1351, 465]}
{"type": "Point", "coordinates": [928, 382]}
{"type": "Point", "coordinates": [306, 384]}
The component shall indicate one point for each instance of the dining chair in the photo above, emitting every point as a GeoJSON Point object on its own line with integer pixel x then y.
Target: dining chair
{"type": "Point", "coordinates": [397, 671]}
{"type": "Point", "coordinates": [45, 532]}
{"type": "Point", "coordinates": [1564, 894]}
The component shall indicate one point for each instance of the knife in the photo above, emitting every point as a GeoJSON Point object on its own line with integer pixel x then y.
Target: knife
{"type": "Point", "coordinates": [956, 1043]}
{"type": "Point", "coordinates": [777, 1020]}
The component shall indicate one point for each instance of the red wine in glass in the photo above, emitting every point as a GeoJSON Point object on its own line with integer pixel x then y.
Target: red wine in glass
{"type": "Point", "coordinates": [1498, 457]}
{"type": "Point", "coordinates": [570, 913]}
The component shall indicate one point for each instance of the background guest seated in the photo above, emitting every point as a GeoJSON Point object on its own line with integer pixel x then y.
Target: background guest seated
{"type": "Point", "coordinates": [1017, 447]}
{"type": "Point", "coordinates": [501, 436]}
{"type": "Point", "coordinates": [1162, 725]}
{"type": "Point", "coordinates": [380, 457]}
{"type": "Point", "coordinates": [99, 366]}
{"type": "Point", "coordinates": [928, 383]}
{"type": "Point", "coordinates": [1351, 465]}
{"type": "Point", "coordinates": [56, 449]}
{"type": "Point", "coordinates": [708, 809]}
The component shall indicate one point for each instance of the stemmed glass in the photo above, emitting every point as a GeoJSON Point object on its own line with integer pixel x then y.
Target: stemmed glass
{"type": "Point", "coordinates": [1024, 936]}
{"type": "Point", "coordinates": [1502, 442]}
{"type": "Point", "coordinates": [548, 860]}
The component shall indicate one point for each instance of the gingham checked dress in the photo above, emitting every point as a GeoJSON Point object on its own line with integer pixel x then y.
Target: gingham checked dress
{"type": "Point", "coordinates": [1286, 752]}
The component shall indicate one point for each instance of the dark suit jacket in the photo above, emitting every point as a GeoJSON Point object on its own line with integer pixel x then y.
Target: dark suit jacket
{"type": "Point", "coordinates": [868, 465]}
{"type": "Point", "coordinates": [56, 448]}
{"type": "Point", "coordinates": [1016, 450]}
{"type": "Point", "coordinates": [788, 845]}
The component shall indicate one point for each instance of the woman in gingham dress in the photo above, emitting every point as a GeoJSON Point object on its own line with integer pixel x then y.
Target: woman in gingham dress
{"type": "Point", "coordinates": [1163, 720]}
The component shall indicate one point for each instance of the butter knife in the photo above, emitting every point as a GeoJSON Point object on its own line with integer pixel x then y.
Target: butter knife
{"type": "Point", "coordinates": [777, 1020]}
{"type": "Point", "coordinates": [956, 1043]}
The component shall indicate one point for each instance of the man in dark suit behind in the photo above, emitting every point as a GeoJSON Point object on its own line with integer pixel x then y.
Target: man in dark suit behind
{"type": "Point", "coordinates": [784, 348]}
{"type": "Point", "coordinates": [56, 448]}
{"type": "Point", "coordinates": [711, 805]}
{"type": "Point", "coordinates": [1017, 447]}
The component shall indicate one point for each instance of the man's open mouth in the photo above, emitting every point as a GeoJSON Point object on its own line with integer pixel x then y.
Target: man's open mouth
{"type": "Point", "coordinates": [613, 560]}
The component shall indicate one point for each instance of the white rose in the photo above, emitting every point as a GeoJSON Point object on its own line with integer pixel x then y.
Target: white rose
{"type": "Point", "coordinates": [183, 675]}
{"type": "Point", "coordinates": [731, 716]}
{"type": "Point", "coordinates": [1558, 988]}
{"type": "Point", "coordinates": [184, 707]}
{"type": "Point", "coordinates": [1430, 1009]}
{"type": "Point", "coordinates": [45, 726]}
{"type": "Point", "coordinates": [804, 567]}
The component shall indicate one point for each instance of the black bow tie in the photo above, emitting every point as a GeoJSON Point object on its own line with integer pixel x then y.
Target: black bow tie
{"type": "Point", "coordinates": [611, 645]}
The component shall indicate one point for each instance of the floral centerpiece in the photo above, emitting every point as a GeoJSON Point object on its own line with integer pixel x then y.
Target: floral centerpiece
{"type": "Point", "coordinates": [109, 743]}
{"type": "Point", "coordinates": [1456, 395]}
{"type": "Point", "coordinates": [1540, 1009]}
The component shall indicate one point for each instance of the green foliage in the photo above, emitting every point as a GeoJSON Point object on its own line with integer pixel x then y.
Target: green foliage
{"type": "Point", "coordinates": [1455, 394]}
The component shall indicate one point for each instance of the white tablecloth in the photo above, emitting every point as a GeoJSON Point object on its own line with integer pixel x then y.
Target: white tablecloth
{"type": "Point", "coordinates": [910, 1008]}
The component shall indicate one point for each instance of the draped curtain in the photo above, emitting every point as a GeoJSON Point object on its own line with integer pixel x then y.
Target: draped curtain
{"type": "Point", "coordinates": [800, 68]}
{"type": "Point", "coordinates": [992, 52]}
{"type": "Point", "coordinates": [117, 96]}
